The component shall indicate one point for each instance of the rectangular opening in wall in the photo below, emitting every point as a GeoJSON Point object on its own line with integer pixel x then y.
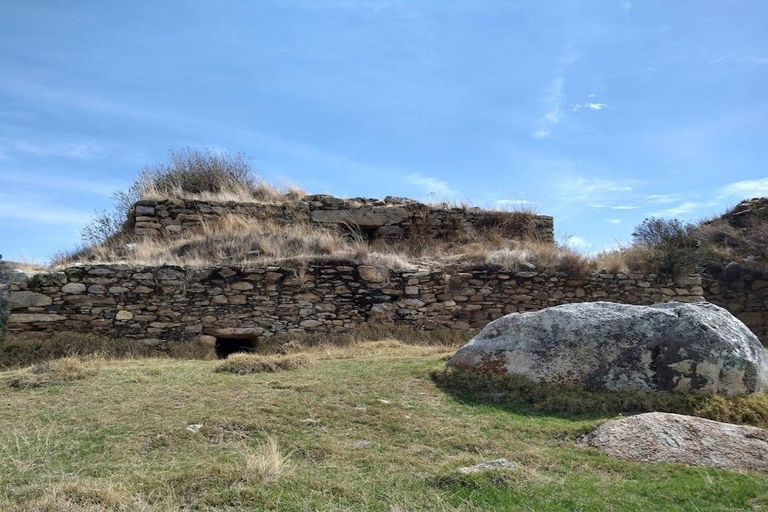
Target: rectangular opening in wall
{"type": "Point", "coordinates": [227, 346]}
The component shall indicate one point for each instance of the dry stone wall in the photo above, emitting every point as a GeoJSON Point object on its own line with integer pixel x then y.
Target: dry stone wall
{"type": "Point", "coordinates": [391, 218]}
{"type": "Point", "coordinates": [173, 303]}
{"type": "Point", "coordinates": [747, 299]}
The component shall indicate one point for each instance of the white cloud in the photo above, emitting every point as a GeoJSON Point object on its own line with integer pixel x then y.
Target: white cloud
{"type": "Point", "coordinates": [577, 243]}
{"type": "Point", "coordinates": [553, 99]}
{"type": "Point", "coordinates": [681, 209]}
{"type": "Point", "coordinates": [624, 207]}
{"type": "Point", "coordinates": [613, 221]}
{"type": "Point", "coordinates": [430, 185]}
{"type": "Point", "coordinates": [589, 106]}
{"type": "Point", "coordinates": [664, 198]}
{"type": "Point", "coordinates": [580, 188]}
{"type": "Point", "coordinates": [745, 189]}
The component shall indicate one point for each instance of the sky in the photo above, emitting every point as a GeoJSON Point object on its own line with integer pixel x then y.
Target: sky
{"type": "Point", "coordinates": [600, 113]}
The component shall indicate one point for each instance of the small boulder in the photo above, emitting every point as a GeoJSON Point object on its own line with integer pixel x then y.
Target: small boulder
{"type": "Point", "coordinates": [491, 465]}
{"type": "Point", "coordinates": [665, 437]}
{"type": "Point", "coordinates": [602, 345]}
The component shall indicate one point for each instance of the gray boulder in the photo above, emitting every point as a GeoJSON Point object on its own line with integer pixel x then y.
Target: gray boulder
{"type": "Point", "coordinates": [602, 345]}
{"type": "Point", "coordinates": [664, 437]}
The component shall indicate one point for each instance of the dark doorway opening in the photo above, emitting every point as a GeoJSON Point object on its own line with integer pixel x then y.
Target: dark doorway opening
{"type": "Point", "coordinates": [226, 346]}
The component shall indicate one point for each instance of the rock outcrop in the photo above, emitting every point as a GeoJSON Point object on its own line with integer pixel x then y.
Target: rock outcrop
{"type": "Point", "coordinates": [602, 345]}
{"type": "Point", "coordinates": [664, 437]}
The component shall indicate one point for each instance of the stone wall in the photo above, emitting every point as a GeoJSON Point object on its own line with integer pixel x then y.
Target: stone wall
{"type": "Point", "coordinates": [391, 218]}
{"type": "Point", "coordinates": [174, 303]}
{"type": "Point", "coordinates": [5, 289]}
{"type": "Point", "coordinates": [747, 299]}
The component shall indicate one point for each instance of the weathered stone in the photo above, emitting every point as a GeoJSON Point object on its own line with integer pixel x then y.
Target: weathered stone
{"type": "Point", "coordinates": [241, 285]}
{"type": "Point", "coordinates": [234, 332]}
{"type": "Point", "coordinates": [602, 345]}
{"type": "Point", "coordinates": [491, 465]}
{"type": "Point", "coordinates": [21, 318]}
{"type": "Point", "coordinates": [124, 315]}
{"type": "Point", "coordinates": [73, 288]}
{"type": "Point", "coordinates": [27, 299]}
{"type": "Point", "coordinates": [310, 323]}
{"type": "Point", "coordinates": [673, 438]}
{"type": "Point", "coordinates": [145, 210]}
{"type": "Point", "coordinates": [364, 217]}
{"type": "Point", "coordinates": [371, 274]}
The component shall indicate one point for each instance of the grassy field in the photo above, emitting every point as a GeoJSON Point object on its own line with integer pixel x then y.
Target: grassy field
{"type": "Point", "coordinates": [352, 429]}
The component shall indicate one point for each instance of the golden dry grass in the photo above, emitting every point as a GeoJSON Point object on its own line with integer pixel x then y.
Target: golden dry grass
{"type": "Point", "coordinates": [50, 373]}
{"type": "Point", "coordinates": [242, 364]}
{"type": "Point", "coordinates": [235, 239]}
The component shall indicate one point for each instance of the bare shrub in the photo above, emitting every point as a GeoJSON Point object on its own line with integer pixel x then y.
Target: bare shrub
{"type": "Point", "coordinates": [189, 174]}
{"type": "Point", "coordinates": [242, 364]}
{"type": "Point", "coordinates": [674, 248]}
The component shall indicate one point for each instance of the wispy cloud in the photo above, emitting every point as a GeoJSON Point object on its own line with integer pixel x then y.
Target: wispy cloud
{"type": "Point", "coordinates": [582, 188]}
{"type": "Point", "coordinates": [39, 211]}
{"type": "Point", "coordinates": [745, 189]}
{"type": "Point", "coordinates": [589, 106]}
{"type": "Point", "coordinates": [681, 209]}
{"type": "Point", "coordinates": [58, 183]}
{"type": "Point", "coordinates": [430, 185]}
{"type": "Point", "coordinates": [624, 207]}
{"type": "Point", "coordinates": [626, 5]}
{"type": "Point", "coordinates": [80, 149]}
{"type": "Point", "coordinates": [613, 221]}
{"type": "Point", "coordinates": [553, 99]}
{"type": "Point", "coordinates": [663, 198]}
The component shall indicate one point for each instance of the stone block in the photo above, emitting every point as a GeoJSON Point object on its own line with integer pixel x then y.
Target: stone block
{"type": "Point", "coordinates": [73, 288]}
{"type": "Point", "coordinates": [27, 299]}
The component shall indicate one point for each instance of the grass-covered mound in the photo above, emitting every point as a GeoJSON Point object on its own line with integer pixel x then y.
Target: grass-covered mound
{"type": "Point", "coordinates": [361, 428]}
{"type": "Point", "coordinates": [243, 364]}
{"type": "Point", "coordinates": [558, 399]}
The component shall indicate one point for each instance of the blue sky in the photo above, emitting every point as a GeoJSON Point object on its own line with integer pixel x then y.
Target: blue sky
{"type": "Point", "coordinates": [598, 112]}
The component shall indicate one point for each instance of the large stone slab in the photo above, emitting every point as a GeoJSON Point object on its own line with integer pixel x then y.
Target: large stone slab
{"type": "Point", "coordinates": [24, 318]}
{"type": "Point", "coordinates": [602, 345]}
{"type": "Point", "coordinates": [664, 437]}
{"type": "Point", "coordinates": [364, 217]}
{"type": "Point", "coordinates": [27, 299]}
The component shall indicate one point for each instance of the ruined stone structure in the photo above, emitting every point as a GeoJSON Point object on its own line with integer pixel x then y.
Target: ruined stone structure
{"type": "Point", "coordinates": [391, 218]}
{"type": "Point", "coordinates": [747, 299]}
{"type": "Point", "coordinates": [173, 303]}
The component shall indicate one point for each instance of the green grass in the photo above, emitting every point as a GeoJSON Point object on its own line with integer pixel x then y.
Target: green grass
{"type": "Point", "coordinates": [118, 440]}
{"type": "Point", "coordinates": [553, 398]}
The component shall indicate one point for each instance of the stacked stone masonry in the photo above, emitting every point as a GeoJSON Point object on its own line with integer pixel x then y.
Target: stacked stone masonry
{"type": "Point", "coordinates": [391, 218]}
{"type": "Point", "coordinates": [747, 299]}
{"type": "Point", "coordinates": [172, 303]}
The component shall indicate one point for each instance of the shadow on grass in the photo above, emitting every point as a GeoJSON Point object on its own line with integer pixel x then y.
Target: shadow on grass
{"type": "Point", "coordinates": [522, 396]}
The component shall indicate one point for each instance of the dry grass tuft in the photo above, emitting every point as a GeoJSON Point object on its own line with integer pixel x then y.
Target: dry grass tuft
{"type": "Point", "coordinates": [242, 364]}
{"type": "Point", "coordinates": [266, 463]}
{"type": "Point", "coordinates": [51, 373]}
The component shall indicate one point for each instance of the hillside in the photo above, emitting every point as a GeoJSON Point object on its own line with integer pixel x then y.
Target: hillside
{"type": "Point", "coordinates": [357, 429]}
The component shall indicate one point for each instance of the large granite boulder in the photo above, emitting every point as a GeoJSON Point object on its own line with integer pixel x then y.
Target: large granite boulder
{"type": "Point", "coordinates": [664, 437]}
{"type": "Point", "coordinates": [602, 345]}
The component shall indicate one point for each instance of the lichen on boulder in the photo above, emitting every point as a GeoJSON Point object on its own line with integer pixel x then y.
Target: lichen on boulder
{"type": "Point", "coordinates": [607, 346]}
